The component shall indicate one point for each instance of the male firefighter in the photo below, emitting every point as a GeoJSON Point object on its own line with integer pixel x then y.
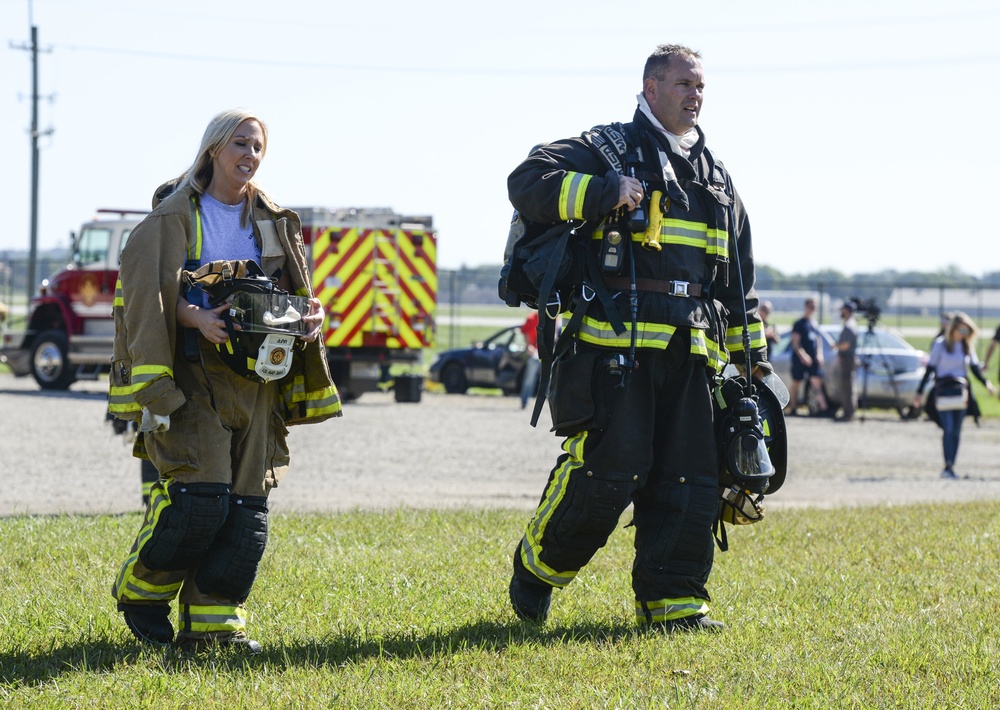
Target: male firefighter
{"type": "Point", "coordinates": [636, 406]}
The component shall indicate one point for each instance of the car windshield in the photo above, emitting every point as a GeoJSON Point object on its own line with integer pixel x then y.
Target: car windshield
{"type": "Point", "coordinates": [92, 246]}
{"type": "Point", "coordinates": [509, 339]}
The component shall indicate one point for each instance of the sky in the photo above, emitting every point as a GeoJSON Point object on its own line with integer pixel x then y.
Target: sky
{"type": "Point", "coordinates": [861, 135]}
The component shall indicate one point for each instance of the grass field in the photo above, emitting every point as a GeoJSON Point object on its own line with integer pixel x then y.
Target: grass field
{"type": "Point", "coordinates": [857, 608]}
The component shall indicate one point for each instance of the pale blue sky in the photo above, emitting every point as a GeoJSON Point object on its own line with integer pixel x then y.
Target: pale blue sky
{"type": "Point", "coordinates": [861, 135]}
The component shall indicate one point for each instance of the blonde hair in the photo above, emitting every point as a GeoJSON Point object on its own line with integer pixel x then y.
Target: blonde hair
{"type": "Point", "coordinates": [218, 133]}
{"type": "Point", "coordinates": [951, 336]}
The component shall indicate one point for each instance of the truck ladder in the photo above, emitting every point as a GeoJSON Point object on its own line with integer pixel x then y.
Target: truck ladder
{"type": "Point", "coordinates": [386, 312]}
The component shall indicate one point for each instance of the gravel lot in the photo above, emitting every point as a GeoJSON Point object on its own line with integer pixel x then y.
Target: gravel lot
{"type": "Point", "coordinates": [60, 456]}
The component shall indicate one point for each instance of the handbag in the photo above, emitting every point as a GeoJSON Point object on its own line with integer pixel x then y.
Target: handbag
{"type": "Point", "coordinates": [951, 394]}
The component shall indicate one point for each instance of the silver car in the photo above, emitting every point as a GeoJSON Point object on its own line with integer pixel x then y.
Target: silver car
{"type": "Point", "coordinates": [889, 369]}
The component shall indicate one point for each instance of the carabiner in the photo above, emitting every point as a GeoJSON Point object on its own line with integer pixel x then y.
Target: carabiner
{"type": "Point", "coordinates": [557, 304]}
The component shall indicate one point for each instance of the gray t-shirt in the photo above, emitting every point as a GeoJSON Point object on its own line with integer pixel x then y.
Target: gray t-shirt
{"type": "Point", "coordinates": [848, 335]}
{"type": "Point", "coordinates": [223, 237]}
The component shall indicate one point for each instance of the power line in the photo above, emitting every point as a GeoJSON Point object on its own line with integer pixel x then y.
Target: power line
{"type": "Point", "coordinates": [824, 67]}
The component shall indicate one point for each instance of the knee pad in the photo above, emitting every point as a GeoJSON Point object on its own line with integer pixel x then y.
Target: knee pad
{"type": "Point", "coordinates": [186, 526]}
{"type": "Point", "coordinates": [230, 567]}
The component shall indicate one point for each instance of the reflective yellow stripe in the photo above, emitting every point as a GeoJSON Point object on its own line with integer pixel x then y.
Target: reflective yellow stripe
{"type": "Point", "coordinates": [717, 356]}
{"type": "Point", "coordinates": [571, 194]}
{"type": "Point", "coordinates": [127, 585]}
{"type": "Point", "coordinates": [681, 232]}
{"type": "Point", "coordinates": [118, 301]}
{"type": "Point", "coordinates": [652, 335]}
{"type": "Point", "coordinates": [648, 335]}
{"type": "Point", "coordinates": [734, 337]}
{"type": "Point", "coordinates": [666, 609]}
{"type": "Point", "coordinates": [215, 618]}
{"type": "Point", "coordinates": [530, 548]}
{"type": "Point", "coordinates": [122, 404]}
{"type": "Point", "coordinates": [318, 403]}
{"type": "Point", "coordinates": [196, 218]}
{"type": "Point", "coordinates": [121, 398]}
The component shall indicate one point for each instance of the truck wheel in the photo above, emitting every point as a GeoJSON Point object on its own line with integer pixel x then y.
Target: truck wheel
{"type": "Point", "coordinates": [453, 379]}
{"type": "Point", "coordinates": [50, 362]}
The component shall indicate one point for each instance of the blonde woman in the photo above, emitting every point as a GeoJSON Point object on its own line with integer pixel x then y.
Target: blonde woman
{"type": "Point", "coordinates": [216, 436]}
{"type": "Point", "coordinates": [953, 355]}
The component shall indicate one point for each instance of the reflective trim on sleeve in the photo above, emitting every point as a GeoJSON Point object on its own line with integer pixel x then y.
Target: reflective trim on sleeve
{"type": "Point", "coordinates": [324, 402]}
{"type": "Point", "coordinates": [121, 399]}
{"type": "Point", "coordinates": [734, 337]}
{"type": "Point", "coordinates": [571, 194]}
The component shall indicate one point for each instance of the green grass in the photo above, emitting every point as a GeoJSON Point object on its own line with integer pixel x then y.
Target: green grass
{"type": "Point", "coordinates": [855, 608]}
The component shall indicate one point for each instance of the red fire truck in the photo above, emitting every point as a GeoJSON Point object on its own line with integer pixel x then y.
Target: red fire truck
{"type": "Point", "coordinates": [374, 270]}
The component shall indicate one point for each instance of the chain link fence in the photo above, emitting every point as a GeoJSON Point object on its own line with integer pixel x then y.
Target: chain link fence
{"type": "Point", "coordinates": [895, 300]}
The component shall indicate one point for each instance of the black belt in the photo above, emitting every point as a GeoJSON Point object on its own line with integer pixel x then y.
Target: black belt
{"type": "Point", "coordinates": [672, 288]}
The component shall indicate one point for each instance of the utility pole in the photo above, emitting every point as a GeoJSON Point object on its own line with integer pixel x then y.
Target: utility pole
{"type": "Point", "coordinates": [35, 134]}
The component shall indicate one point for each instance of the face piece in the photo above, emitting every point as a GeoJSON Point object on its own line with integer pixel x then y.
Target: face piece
{"type": "Point", "coordinates": [675, 98]}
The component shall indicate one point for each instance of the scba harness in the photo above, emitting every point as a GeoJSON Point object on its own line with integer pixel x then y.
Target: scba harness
{"type": "Point", "coordinates": [263, 321]}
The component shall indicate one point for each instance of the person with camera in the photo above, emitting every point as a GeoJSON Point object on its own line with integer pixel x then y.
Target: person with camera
{"type": "Point", "coordinates": [952, 356]}
{"type": "Point", "coordinates": [636, 405]}
{"type": "Point", "coordinates": [214, 426]}
{"type": "Point", "coordinates": [847, 349]}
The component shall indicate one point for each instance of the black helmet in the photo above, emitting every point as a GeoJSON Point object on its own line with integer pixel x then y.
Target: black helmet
{"type": "Point", "coordinates": [263, 321]}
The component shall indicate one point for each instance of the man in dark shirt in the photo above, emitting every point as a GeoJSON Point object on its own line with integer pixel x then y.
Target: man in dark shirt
{"type": "Point", "coordinates": [807, 359]}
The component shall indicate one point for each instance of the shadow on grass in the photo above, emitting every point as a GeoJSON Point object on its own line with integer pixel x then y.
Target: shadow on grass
{"type": "Point", "coordinates": [32, 667]}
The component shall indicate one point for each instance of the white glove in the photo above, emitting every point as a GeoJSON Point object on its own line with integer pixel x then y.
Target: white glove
{"type": "Point", "coordinates": [153, 422]}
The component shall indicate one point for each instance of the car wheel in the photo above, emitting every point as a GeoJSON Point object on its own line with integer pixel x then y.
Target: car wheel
{"type": "Point", "coordinates": [453, 379]}
{"type": "Point", "coordinates": [50, 361]}
{"type": "Point", "coordinates": [909, 411]}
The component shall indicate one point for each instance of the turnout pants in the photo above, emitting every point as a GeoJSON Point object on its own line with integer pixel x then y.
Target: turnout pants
{"type": "Point", "coordinates": [650, 443]}
{"type": "Point", "coordinates": [205, 528]}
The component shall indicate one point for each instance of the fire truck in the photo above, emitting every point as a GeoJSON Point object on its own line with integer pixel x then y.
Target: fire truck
{"type": "Point", "coordinates": [373, 269]}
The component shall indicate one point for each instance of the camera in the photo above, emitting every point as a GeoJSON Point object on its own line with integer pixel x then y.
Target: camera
{"type": "Point", "coordinates": [867, 307]}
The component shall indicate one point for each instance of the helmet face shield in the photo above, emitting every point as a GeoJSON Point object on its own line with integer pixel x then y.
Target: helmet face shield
{"type": "Point", "coordinates": [269, 312]}
{"type": "Point", "coordinates": [263, 321]}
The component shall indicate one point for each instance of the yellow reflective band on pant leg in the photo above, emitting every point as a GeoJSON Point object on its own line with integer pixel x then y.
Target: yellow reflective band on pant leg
{"type": "Point", "coordinates": [128, 585]}
{"type": "Point", "coordinates": [214, 619]}
{"type": "Point", "coordinates": [667, 609]}
{"type": "Point", "coordinates": [531, 546]}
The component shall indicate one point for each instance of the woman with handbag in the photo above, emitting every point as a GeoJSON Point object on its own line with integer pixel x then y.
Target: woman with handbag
{"type": "Point", "coordinates": [953, 355]}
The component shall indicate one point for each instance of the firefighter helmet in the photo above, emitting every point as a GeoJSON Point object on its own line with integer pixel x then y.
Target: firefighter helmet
{"type": "Point", "coordinates": [263, 321]}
